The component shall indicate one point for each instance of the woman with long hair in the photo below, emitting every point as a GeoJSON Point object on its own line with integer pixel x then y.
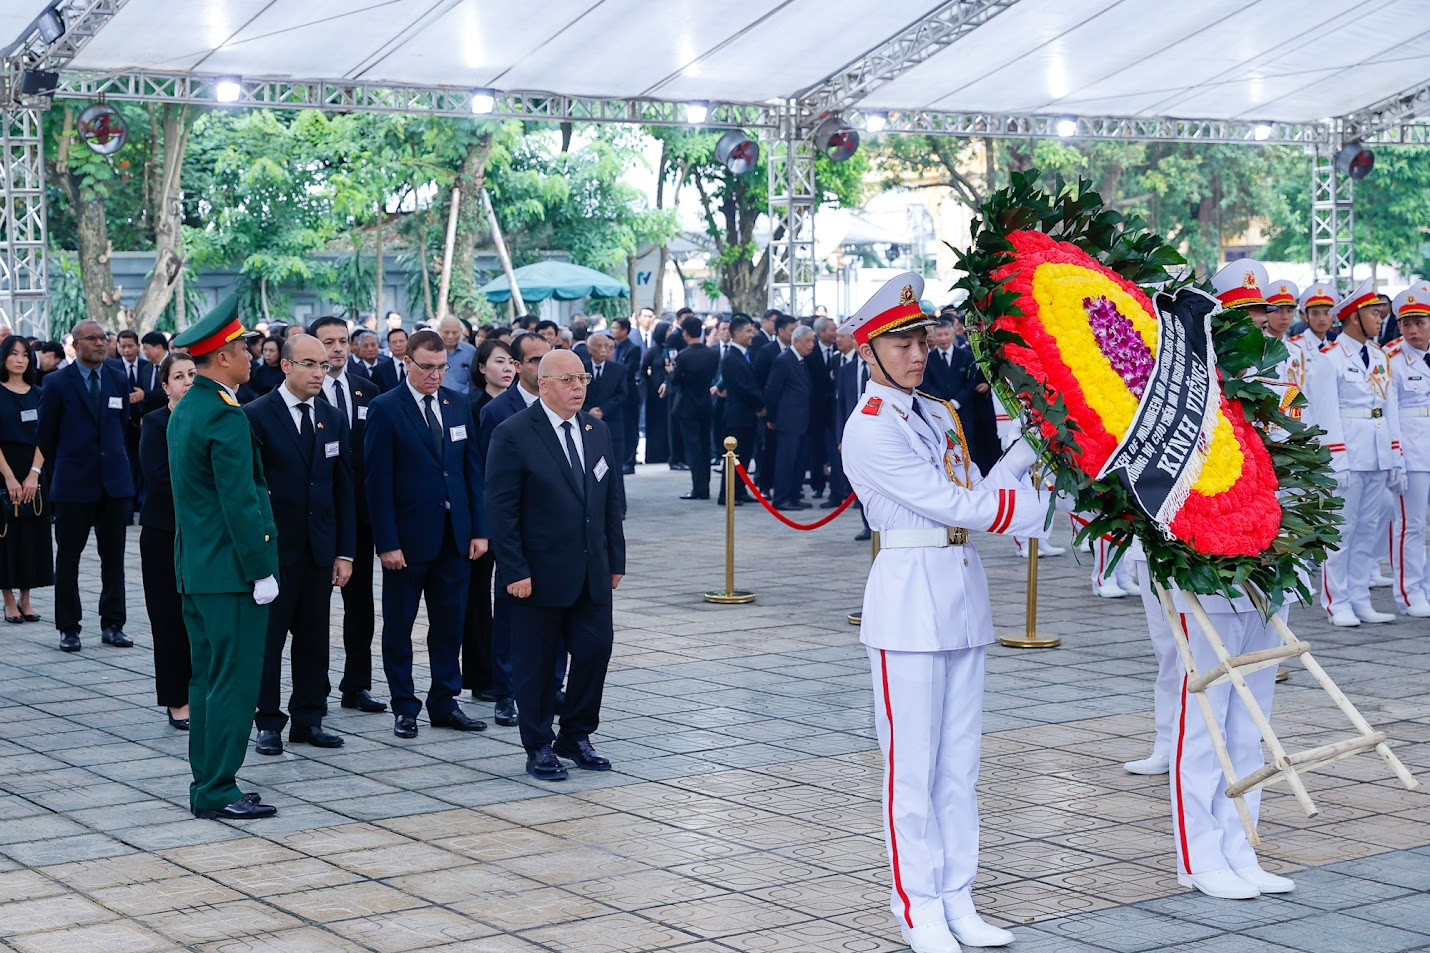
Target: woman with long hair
{"type": "Point", "coordinates": [27, 559]}
{"type": "Point", "coordinates": [172, 661]}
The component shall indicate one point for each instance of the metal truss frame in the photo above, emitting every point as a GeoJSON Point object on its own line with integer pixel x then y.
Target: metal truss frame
{"type": "Point", "coordinates": [1333, 251]}
{"type": "Point", "coordinates": [1165, 129]}
{"type": "Point", "coordinates": [792, 197]}
{"type": "Point", "coordinates": [24, 299]}
{"type": "Point", "coordinates": [1389, 115]}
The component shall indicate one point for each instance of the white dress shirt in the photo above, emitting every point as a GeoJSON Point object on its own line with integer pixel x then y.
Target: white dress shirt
{"type": "Point", "coordinates": [329, 382]}
{"type": "Point", "coordinates": [556, 423]}
{"type": "Point", "coordinates": [421, 398]}
{"type": "Point", "coordinates": [292, 402]}
{"type": "Point", "coordinates": [527, 397]}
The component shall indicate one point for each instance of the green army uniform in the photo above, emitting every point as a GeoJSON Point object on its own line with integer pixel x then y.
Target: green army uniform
{"type": "Point", "coordinates": [225, 540]}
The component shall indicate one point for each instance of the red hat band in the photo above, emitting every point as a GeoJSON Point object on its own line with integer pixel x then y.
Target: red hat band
{"type": "Point", "coordinates": [218, 339]}
{"type": "Point", "coordinates": [1241, 296]}
{"type": "Point", "coordinates": [1355, 304]}
{"type": "Point", "coordinates": [1319, 299]}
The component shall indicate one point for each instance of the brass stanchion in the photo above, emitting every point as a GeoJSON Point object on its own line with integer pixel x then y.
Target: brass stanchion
{"type": "Point", "coordinates": [730, 595]}
{"type": "Point", "coordinates": [857, 618]}
{"type": "Point", "coordinates": [1282, 675]}
{"type": "Point", "coordinates": [1030, 639]}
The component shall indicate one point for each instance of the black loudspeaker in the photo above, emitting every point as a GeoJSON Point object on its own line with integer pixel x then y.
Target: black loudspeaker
{"type": "Point", "coordinates": [38, 82]}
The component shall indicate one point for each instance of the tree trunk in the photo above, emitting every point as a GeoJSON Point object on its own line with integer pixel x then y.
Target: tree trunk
{"type": "Point", "coordinates": [166, 213]}
{"type": "Point", "coordinates": [378, 271]}
{"type": "Point", "coordinates": [471, 224]}
{"type": "Point", "coordinates": [101, 297]}
{"type": "Point", "coordinates": [658, 293]}
{"type": "Point", "coordinates": [631, 277]}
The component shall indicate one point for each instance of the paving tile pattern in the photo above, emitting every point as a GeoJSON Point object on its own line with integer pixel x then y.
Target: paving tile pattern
{"type": "Point", "coordinates": [743, 813]}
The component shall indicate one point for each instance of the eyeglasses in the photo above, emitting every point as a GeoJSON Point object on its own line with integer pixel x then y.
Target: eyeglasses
{"type": "Point", "coordinates": [91, 337]}
{"type": "Point", "coordinates": [533, 360]}
{"type": "Point", "coordinates": [311, 365]}
{"type": "Point", "coordinates": [569, 379]}
{"type": "Point", "coordinates": [429, 368]}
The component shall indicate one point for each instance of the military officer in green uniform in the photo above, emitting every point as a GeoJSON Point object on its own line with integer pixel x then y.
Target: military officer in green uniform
{"type": "Point", "coordinates": [225, 558]}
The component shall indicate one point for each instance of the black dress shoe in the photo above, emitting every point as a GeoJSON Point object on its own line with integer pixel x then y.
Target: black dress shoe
{"type": "Point", "coordinates": [791, 506]}
{"type": "Point", "coordinates": [115, 636]}
{"type": "Point", "coordinates": [738, 502]}
{"type": "Point", "coordinates": [628, 471]}
{"type": "Point", "coordinates": [363, 701]}
{"type": "Point", "coordinates": [269, 742]}
{"type": "Point", "coordinates": [695, 496]}
{"type": "Point", "coordinates": [680, 466]}
{"type": "Point", "coordinates": [863, 535]}
{"type": "Point", "coordinates": [405, 726]}
{"type": "Point", "coordinates": [31, 617]}
{"type": "Point", "coordinates": [828, 505]}
{"type": "Point", "coordinates": [505, 713]}
{"type": "Point", "coordinates": [582, 753]}
{"type": "Point", "coordinates": [543, 765]}
{"type": "Point", "coordinates": [69, 642]}
{"type": "Point", "coordinates": [485, 695]}
{"type": "Point", "coordinates": [457, 719]}
{"type": "Point", "coordinates": [178, 724]}
{"type": "Point", "coordinates": [15, 619]}
{"type": "Point", "coordinates": [315, 735]}
{"type": "Point", "coordinates": [245, 808]}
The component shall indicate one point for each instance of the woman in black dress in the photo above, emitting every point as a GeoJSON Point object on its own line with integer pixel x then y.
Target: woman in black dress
{"type": "Point", "coordinates": [173, 666]}
{"type": "Point", "coordinates": [267, 371]}
{"type": "Point", "coordinates": [27, 558]}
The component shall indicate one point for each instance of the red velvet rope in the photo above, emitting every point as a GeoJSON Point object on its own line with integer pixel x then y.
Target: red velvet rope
{"type": "Point", "coordinates": [740, 469]}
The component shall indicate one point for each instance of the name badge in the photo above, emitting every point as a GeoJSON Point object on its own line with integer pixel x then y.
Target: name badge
{"type": "Point", "coordinates": [330, 449]}
{"type": "Point", "coordinates": [29, 416]}
{"type": "Point", "coordinates": [459, 433]}
{"type": "Point", "coordinates": [362, 413]}
{"type": "Point", "coordinates": [600, 469]}
{"type": "Point", "coordinates": [116, 403]}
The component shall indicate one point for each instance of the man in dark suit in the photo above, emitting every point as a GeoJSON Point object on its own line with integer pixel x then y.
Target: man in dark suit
{"type": "Point", "coordinates": [303, 442]}
{"type": "Point", "coordinates": [606, 397]}
{"type": "Point", "coordinates": [82, 418]}
{"type": "Point", "coordinates": [628, 354]}
{"type": "Point", "coordinates": [139, 374]}
{"type": "Point", "coordinates": [744, 404]}
{"type": "Point", "coordinates": [390, 369]}
{"type": "Point", "coordinates": [424, 480]}
{"type": "Point", "coordinates": [762, 361]}
{"type": "Point", "coordinates": [696, 367]}
{"type": "Point", "coordinates": [787, 401]}
{"type": "Point", "coordinates": [765, 333]}
{"type": "Point", "coordinates": [848, 388]}
{"type": "Point", "coordinates": [351, 395]}
{"type": "Point", "coordinates": [155, 347]}
{"type": "Point", "coordinates": [560, 553]}
{"type": "Point", "coordinates": [819, 446]}
{"type": "Point", "coordinates": [942, 376]}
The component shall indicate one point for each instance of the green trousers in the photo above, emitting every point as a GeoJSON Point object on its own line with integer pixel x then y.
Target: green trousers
{"type": "Point", "coordinates": [227, 632]}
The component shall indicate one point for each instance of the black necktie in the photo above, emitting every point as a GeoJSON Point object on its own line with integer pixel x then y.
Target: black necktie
{"type": "Point", "coordinates": [401, 371]}
{"type": "Point", "coordinates": [94, 389]}
{"type": "Point", "coordinates": [305, 430]}
{"type": "Point", "coordinates": [920, 412]}
{"type": "Point", "coordinates": [575, 456]}
{"type": "Point", "coordinates": [863, 376]}
{"type": "Point", "coordinates": [341, 399]}
{"type": "Point", "coordinates": [1365, 354]}
{"type": "Point", "coordinates": [596, 372]}
{"type": "Point", "coordinates": [133, 377]}
{"type": "Point", "coordinates": [432, 422]}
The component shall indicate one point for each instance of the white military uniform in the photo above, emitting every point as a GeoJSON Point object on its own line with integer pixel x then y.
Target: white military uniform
{"type": "Point", "coordinates": [1365, 402]}
{"type": "Point", "coordinates": [926, 625]}
{"type": "Point", "coordinates": [1319, 294]}
{"type": "Point", "coordinates": [1010, 428]}
{"type": "Point", "coordinates": [1410, 373]}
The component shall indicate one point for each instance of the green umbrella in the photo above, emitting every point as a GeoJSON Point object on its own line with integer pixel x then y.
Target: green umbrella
{"type": "Point", "coordinates": [556, 279]}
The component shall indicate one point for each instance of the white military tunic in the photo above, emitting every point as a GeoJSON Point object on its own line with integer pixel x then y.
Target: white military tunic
{"type": "Point", "coordinates": [926, 623]}
{"type": "Point", "coordinates": [1410, 372]}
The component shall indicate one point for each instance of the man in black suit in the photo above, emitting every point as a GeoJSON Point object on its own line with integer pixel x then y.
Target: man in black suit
{"type": "Point", "coordinates": [787, 400]}
{"type": "Point", "coordinates": [765, 333]}
{"type": "Point", "coordinates": [762, 361]}
{"type": "Point", "coordinates": [351, 395]}
{"type": "Point", "coordinates": [303, 442]}
{"type": "Point", "coordinates": [848, 388]}
{"type": "Point", "coordinates": [689, 386]}
{"type": "Point", "coordinates": [424, 489]}
{"type": "Point", "coordinates": [821, 365]}
{"type": "Point", "coordinates": [628, 354]}
{"type": "Point", "coordinates": [155, 347]}
{"type": "Point", "coordinates": [82, 419]}
{"type": "Point", "coordinates": [139, 374]}
{"type": "Point", "coordinates": [744, 404]}
{"type": "Point", "coordinates": [607, 396]}
{"type": "Point", "coordinates": [943, 376]}
{"type": "Point", "coordinates": [556, 527]}
{"type": "Point", "coordinates": [391, 369]}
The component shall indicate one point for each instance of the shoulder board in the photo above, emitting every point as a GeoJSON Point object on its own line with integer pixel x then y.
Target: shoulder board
{"type": "Point", "coordinates": [1393, 348]}
{"type": "Point", "coordinates": [227, 398]}
{"type": "Point", "coordinates": [873, 405]}
{"type": "Point", "coordinates": [1328, 348]}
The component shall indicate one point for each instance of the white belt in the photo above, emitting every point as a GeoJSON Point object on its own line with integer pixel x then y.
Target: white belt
{"type": "Point", "coordinates": [1362, 413]}
{"type": "Point", "coordinates": [1415, 411]}
{"type": "Point", "coordinates": [935, 537]}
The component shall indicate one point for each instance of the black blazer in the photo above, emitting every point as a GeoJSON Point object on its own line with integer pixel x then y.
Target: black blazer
{"type": "Point", "coordinates": [361, 392]}
{"type": "Point", "coordinates": [846, 394]}
{"type": "Point", "coordinates": [742, 395]}
{"type": "Point", "coordinates": [385, 375]}
{"type": "Point", "coordinates": [821, 388]}
{"type": "Point", "coordinates": [492, 413]}
{"type": "Point", "coordinates": [144, 375]}
{"type": "Point", "coordinates": [84, 447]}
{"type": "Point", "coordinates": [628, 355]}
{"type": "Point", "coordinates": [762, 361]}
{"type": "Point", "coordinates": [609, 392]}
{"type": "Point", "coordinates": [157, 510]}
{"type": "Point", "coordinates": [787, 395]}
{"type": "Point", "coordinates": [357, 367]}
{"type": "Point", "coordinates": [944, 379]}
{"type": "Point", "coordinates": [695, 369]}
{"type": "Point", "coordinates": [543, 526]}
{"type": "Point", "coordinates": [312, 499]}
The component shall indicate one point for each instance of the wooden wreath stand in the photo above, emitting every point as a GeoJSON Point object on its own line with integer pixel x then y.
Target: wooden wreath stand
{"type": "Point", "coordinates": [1233, 668]}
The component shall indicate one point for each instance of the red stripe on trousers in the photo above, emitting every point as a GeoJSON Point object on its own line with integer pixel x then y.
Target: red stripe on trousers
{"type": "Point", "coordinates": [893, 840]}
{"type": "Point", "coordinates": [1181, 737]}
{"type": "Point", "coordinates": [1404, 597]}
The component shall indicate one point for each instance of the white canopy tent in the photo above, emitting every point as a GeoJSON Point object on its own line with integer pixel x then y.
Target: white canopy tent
{"type": "Point", "coordinates": [1308, 72]}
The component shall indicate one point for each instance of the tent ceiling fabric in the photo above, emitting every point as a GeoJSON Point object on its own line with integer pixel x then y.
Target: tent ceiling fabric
{"type": "Point", "coordinates": [1282, 60]}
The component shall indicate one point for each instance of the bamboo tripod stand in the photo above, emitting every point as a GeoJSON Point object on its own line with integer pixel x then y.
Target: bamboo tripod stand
{"type": "Point", "coordinates": [1233, 668]}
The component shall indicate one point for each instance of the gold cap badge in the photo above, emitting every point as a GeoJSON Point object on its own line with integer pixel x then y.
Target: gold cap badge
{"type": "Point", "coordinates": [906, 296]}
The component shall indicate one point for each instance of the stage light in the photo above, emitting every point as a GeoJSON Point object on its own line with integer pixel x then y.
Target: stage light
{"type": "Point", "coordinates": [875, 123]}
{"type": "Point", "coordinates": [1261, 131]}
{"type": "Point", "coordinates": [1065, 127]}
{"type": "Point", "coordinates": [697, 112]}
{"type": "Point", "coordinates": [1355, 160]}
{"type": "Point", "coordinates": [228, 90]}
{"type": "Point", "coordinates": [484, 101]}
{"type": "Point", "coordinates": [50, 25]}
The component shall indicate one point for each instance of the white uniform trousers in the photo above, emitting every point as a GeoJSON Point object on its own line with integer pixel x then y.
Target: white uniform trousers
{"type": "Point", "coordinates": [1205, 826]}
{"type": "Point", "coordinates": [928, 711]}
{"type": "Point", "coordinates": [1407, 540]}
{"type": "Point", "coordinates": [1167, 688]}
{"type": "Point", "coordinates": [1345, 578]}
{"type": "Point", "coordinates": [1104, 573]}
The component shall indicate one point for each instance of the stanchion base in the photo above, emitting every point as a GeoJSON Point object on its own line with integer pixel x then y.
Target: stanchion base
{"type": "Point", "coordinates": [733, 598]}
{"type": "Point", "coordinates": [856, 618]}
{"type": "Point", "coordinates": [1030, 640]}
{"type": "Point", "coordinates": [1282, 675]}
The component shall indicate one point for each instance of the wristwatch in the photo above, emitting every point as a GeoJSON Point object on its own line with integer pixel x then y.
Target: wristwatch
{"type": "Point", "coordinates": [35, 470]}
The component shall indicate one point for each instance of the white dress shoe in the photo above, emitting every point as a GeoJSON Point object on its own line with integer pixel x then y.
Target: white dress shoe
{"type": "Point", "coordinates": [1264, 880]}
{"type": "Point", "coordinates": [1109, 591]}
{"type": "Point", "coordinates": [973, 930]}
{"type": "Point", "coordinates": [1379, 580]}
{"type": "Point", "coordinates": [1156, 763]}
{"type": "Point", "coordinates": [1048, 549]}
{"type": "Point", "coordinates": [1419, 610]}
{"type": "Point", "coordinates": [929, 938]}
{"type": "Point", "coordinates": [1370, 616]}
{"type": "Point", "coordinates": [1222, 884]}
{"type": "Point", "coordinates": [1345, 618]}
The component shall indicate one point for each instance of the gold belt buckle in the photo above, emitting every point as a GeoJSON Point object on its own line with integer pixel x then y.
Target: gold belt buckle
{"type": "Point", "coordinates": [1376, 413]}
{"type": "Point", "coordinates": [957, 536]}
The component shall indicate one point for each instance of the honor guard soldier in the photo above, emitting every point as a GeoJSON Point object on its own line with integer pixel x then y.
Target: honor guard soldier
{"type": "Point", "coordinates": [1316, 303]}
{"type": "Point", "coordinates": [1410, 372]}
{"type": "Point", "coordinates": [1365, 401]}
{"type": "Point", "coordinates": [225, 558]}
{"type": "Point", "coordinates": [927, 621]}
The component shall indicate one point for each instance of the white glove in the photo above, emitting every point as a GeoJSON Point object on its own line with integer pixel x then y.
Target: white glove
{"type": "Point", "coordinates": [265, 590]}
{"type": "Point", "coordinates": [1397, 481]}
{"type": "Point", "coordinates": [1020, 458]}
{"type": "Point", "coordinates": [1343, 480]}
